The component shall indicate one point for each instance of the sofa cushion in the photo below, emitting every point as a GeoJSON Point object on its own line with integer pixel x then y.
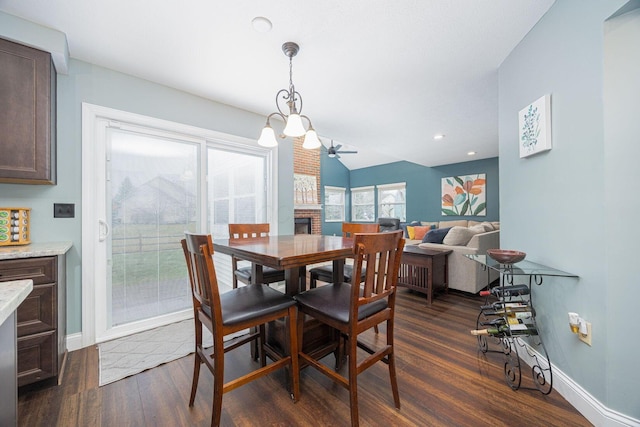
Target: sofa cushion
{"type": "Point", "coordinates": [459, 236]}
{"type": "Point", "coordinates": [436, 236]}
{"type": "Point", "coordinates": [459, 223]}
{"type": "Point", "coordinates": [420, 231]}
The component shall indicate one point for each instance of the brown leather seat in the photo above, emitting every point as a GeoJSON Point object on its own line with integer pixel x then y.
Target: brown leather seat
{"type": "Point", "coordinates": [353, 309]}
{"type": "Point", "coordinates": [237, 310]}
{"type": "Point", "coordinates": [325, 272]}
{"type": "Point", "coordinates": [243, 274]}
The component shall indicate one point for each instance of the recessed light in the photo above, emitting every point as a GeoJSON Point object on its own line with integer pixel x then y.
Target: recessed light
{"type": "Point", "coordinates": [438, 136]}
{"type": "Point", "coordinates": [471, 153]}
{"type": "Point", "coordinates": [261, 24]}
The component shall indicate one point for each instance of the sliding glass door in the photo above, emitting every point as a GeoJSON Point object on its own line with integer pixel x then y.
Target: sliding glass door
{"type": "Point", "coordinates": [146, 182]}
{"type": "Point", "coordinates": [152, 194]}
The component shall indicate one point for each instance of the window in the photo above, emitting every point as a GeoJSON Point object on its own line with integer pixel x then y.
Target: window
{"type": "Point", "coordinates": [334, 204]}
{"type": "Point", "coordinates": [363, 205]}
{"type": "Point", "coordinates": [392, 201]}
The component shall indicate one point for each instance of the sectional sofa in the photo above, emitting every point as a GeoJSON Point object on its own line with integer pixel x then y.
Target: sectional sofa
{"type": "Point", "coordinates": [462, 237]}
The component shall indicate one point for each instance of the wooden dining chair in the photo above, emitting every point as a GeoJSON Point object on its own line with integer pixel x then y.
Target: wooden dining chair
{"type": "Point", "coordinates": [353, 309]}
{"type": "Point", "coordinates": [325, 272]}
{"type": "Point", "coordinates": [243, 274]}
{"type": "Point", "coordinates": [233, 311]}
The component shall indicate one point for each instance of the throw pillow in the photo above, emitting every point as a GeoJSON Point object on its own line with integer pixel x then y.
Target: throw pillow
{"type": "Point", "coordinates": [420, 231]}
{"type": "Point", "coordinates": [488, 226]}
{"type": "Point", "coordinates": [411, 232]}
{"type": "Point", "coordinates": [430, 224]}
{"type": "Point", "coordinates": [458, 236]}
{"type": "Point", "coordinates": [436, 235]}
{"type": "Point", "coordinates": [479, 228]}
{"type": "Point", "coordinates": [405, 228]}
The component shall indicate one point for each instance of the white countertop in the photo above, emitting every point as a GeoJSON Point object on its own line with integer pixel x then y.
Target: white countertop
{"type": "Point", "coordinates": [34, 250]}
{"type": "Point", "coordinates": [11, 296]}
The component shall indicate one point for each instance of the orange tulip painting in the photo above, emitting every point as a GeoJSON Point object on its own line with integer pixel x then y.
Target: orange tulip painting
{"type": "Point", "coordinates": [464, 195]}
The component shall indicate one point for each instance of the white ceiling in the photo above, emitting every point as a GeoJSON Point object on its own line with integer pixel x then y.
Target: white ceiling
{"type": "Point", "coordinates": [380, 77]}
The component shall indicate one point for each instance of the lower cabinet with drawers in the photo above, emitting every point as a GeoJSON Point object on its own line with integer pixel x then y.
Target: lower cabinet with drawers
{"type": "Point", "coordinates": [41, 318]}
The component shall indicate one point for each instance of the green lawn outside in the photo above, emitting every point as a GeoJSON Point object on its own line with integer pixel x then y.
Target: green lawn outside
{"type": "Point", "coordinates": [145, 253]}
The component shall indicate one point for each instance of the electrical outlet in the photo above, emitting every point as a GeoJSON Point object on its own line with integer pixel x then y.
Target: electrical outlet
{"type": "Point", "coordinates": [64, 210]}
{"type": "Point", "coordinates": [586, 338]}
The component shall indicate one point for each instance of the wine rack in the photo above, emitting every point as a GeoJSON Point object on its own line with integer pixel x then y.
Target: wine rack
{"type": "Point", "coordinates": [507, 322]}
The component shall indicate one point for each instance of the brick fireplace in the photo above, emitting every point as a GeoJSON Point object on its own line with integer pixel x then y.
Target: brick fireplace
{"type": "Point", "coordinates": [307, 162]}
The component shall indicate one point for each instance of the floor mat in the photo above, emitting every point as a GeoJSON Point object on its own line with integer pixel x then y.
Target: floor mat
{"type": "Point", "coordinates": [135, 353]}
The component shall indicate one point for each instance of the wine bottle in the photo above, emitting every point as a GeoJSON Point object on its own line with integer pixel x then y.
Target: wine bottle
{"type": "Point", "coordinates": [507, 291]}
{"type": "Point", "coordinates": [504, 330]}
{"type": "Point", "coordinates": [498, 321]}
{"type": "Point", "coordinates": [495, 331]}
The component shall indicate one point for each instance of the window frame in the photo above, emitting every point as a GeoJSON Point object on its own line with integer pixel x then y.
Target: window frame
{"type": "Point", "coordinates": [343, 192]}
{"type": "Point", "coordinates": [393, 186]}
{"type": "Point", "coordinates": [369, 188]}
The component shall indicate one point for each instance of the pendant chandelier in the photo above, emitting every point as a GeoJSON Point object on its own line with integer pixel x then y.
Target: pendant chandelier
{"type": "Point", "coordinates": [292, 117]}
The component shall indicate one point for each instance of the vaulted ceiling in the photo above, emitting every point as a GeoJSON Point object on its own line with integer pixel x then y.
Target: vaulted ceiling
{"type": "Point", "coordinates": [379, 77]}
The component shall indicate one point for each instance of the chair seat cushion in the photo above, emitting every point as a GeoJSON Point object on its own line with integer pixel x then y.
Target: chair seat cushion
{"type": "Point", "coordinates": [269, 274]}
{"type": "Point", "coordinates": [250, 302]}
{"type": "Point", "coordinates": [325, 273]}
{"type": "Point", "coordinates": [333, 301]}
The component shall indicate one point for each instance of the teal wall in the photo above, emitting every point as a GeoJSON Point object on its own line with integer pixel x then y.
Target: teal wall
{"type": "Point", "coordinates": [424, 186]}
{"type": "Point", "coordinates": [90, 83]}
{"type": "Point", "coordinates": [574, 207]}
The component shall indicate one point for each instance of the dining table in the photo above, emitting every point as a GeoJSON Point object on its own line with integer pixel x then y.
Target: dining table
{"type": "Point", "coordinates": [293, 253]}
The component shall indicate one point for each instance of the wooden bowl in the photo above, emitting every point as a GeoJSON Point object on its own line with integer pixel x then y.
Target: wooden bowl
{"type": "Point", "coordinates": [506, 256]}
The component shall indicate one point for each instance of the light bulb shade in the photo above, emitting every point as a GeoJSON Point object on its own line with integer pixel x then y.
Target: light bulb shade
{"type": "Point", "coordinates": [311, 140]}
{"type": "Point", "coordinates": [294, 126]}
{"type": "Point", "coordinates": [268, 137]}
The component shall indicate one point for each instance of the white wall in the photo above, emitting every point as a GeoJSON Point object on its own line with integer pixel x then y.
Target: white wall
{"type": "Point", "coordinates": [561, 206]}
{"type": "Point", "coordinates": [621, 154]}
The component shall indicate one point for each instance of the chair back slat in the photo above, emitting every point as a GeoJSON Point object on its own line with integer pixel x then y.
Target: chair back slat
{"type": "Point", "coordinates": [198, 251]}
{"type": "Point", "coordinates": [384, 251]}
{"type": "Point", "coordinates": [248, 231]}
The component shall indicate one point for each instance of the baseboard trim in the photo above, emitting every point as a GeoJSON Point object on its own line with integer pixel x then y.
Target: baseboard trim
{"type": "Point", "coordinates": [592, 409]}
{"type": "Point", "coordinates": [74, 341]}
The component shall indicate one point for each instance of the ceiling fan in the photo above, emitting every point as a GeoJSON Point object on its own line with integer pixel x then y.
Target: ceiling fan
{"type": "Point", "coordinates": [335, 151]}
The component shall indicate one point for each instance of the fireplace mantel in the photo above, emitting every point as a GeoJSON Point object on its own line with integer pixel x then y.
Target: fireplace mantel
{"type": "Point", "coordinates": [299, 207]}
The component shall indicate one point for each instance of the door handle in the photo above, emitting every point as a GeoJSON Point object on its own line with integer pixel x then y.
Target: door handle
{"type": "Point", "coordinates": [103, 225]}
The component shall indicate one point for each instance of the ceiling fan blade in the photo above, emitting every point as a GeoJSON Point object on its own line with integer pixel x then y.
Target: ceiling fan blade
{"type": "Point", "coordinates": [347, 152]}
{"type": "Point", "coordinates": [338, 146]}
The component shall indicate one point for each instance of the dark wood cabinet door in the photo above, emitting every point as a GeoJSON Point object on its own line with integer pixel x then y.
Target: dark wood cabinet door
{"type": "Point", "coordinates": [40, 334]}
{"type": "Point", "coordinates": [37, 358]}
{"type": "Point", "coordinates": [27, 122]}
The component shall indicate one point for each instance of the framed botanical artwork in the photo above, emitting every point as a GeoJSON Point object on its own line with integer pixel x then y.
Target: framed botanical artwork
{"type": "Point", "coordinates": [464, 195]}
{"type": "Point", "coordinates": [534, 123]}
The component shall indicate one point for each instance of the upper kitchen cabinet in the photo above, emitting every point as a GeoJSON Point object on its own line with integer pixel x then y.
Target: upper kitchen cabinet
{"type": "Point", "coordinates": [28, 118]}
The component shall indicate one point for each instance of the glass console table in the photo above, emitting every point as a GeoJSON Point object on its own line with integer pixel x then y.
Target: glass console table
{"type": "Point", "coordinates": [507, 321]}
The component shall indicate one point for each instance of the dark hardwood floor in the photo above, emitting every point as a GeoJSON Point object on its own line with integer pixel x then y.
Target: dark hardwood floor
{"type": "Point", "coordinates": [443, 381]}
